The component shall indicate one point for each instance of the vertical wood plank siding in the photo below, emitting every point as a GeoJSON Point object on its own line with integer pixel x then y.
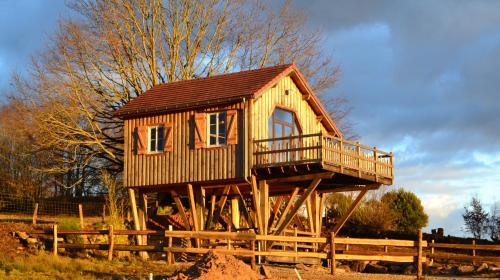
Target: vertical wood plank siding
{"type": "Point", "coordinates": [183, 164]}
{"type": "Point", "coordinates": [274, 96]}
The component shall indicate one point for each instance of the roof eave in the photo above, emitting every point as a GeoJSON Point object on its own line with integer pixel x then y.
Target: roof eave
{"type": "Point", "coordinates": [127, 114]}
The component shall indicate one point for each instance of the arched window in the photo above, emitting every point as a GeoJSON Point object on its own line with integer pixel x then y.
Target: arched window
{"type": "Point", "coordinates": [283, 123]}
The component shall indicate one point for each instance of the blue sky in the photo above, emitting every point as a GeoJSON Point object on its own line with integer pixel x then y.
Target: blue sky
{"type": "Point", "coordinates": [422, 77]}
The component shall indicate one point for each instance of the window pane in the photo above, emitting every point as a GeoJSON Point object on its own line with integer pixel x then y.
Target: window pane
{"type": "Point", "coordinates": [213, 140]}
{"type": "Point", "coordinates": [222, 124]}
{"type": "Point", "coordinates": [161, 136]}
{"type": "Point", "coordinates": [152, 145]}
{"type": "Point", "coordinates": [213, 119]}
{"type": "Point", "coordinates": [213, 129]}
{"type": "Point", "coordinates": [283, 115]}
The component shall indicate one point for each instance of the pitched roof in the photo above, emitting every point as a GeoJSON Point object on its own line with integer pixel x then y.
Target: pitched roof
{"type": "Point", "coordinates": [218, 89]}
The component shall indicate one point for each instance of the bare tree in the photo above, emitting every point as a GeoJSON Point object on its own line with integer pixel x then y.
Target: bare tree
{"type": "Point", "coordinates": [117, 49]}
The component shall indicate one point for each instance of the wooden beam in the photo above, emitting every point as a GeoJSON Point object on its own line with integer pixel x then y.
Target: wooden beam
{"type": "Point", "coordinates": [274, 211]}
{"type": "Point", "coordinates": [220, 205]}
{"type": "Point", "coordinates": [235, 212]}
{"type": "Point", "coordinates": [334, 189]}
{"type": "Point", "coordinates": [349, 212]}
{"type": "Point", "coordinates": [256, 200]}
{"type": "Point", "coordinates": [264, 204]}
{"type": "Point", "coordinates": [310, 213]}
{"type": "Point", "coordinates": [300, 178]}
{"type": "Point", "coordinates": [192, 206]}
{"type": "Point", "coordinates": [243, 206]}
{"type": "Point", "coordinates": [199, 198]}
{"type": "Point", "coordinates": [287, 207]}
{"type": "Point", "coordinates": [211, 210]}
{"type": "Point", "coordinates": [180, 208]}
{"type": "Point", "coordinates": [137, 225]}
{"type": "Point", "coordinates": [321, 210]}
{"type": "Point", "coordinates": [297, 205]}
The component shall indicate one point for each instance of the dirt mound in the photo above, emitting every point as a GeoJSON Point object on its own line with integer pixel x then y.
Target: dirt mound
{"type": "Point", "coordinates": [9, 244]}
{"type": "Point", "coordinates": [217, 266]}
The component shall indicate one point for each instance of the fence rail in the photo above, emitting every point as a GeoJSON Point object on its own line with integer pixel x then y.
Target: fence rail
{"type": "Point", "coordinates": [245, 245]}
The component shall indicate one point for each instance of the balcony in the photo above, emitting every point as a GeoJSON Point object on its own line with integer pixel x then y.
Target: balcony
{"type": "Point", "coordinates": [330, 153]}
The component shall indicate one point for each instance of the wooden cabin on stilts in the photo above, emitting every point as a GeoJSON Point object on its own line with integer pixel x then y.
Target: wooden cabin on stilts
{"type": "Point", "coordinates": [252, 152]}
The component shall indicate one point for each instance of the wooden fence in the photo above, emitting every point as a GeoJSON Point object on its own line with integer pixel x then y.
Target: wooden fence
{"type": "Point", "coordinates": [249, 245]}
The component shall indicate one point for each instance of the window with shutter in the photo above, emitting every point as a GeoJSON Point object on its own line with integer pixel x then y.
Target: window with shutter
{"type": "Point", "coordinates": [141, 140]}
{"type": "Point", "coordinates": [232, 127]}
{"type": "Point", "coordinates": [156, 141]}
{"type": "Point", "coordinates": [199, 130]}
{"type": "Point", "coordinates": [168, 138]}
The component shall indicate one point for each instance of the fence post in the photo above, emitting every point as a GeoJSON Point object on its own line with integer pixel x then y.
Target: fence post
{"type": "Point", "coordinates": [111, 241]}
{"type": "Point", "coordinates": [80, 213]}
{"type": "Point", "coordinates": [54, 245]}
{"type": "Point", "coordinates": [295, 244]}
{"type": "Point", "coordinates": [35, 213]}
{"type": "Point", "coordinates": [103, 213]}
{"type": "Point", "coordinates": [473, 251]}
{"type": "Point", "coordinates": [170, 259]}
{"type": "Point", "coordinates": [386, 248]}
{"type": "Point", "coordinates": [419, 255]}
{"type": "Point", "coordinates": [252, 261]}
{"type": "Point", "coordinates": [431, 261]}
{"type": "Point", "coordinates": [332, 252]}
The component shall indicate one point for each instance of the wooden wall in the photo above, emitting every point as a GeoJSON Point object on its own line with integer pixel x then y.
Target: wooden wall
{"type": "Point", "coordinates": [184, 164]}
{"type": "Point", "coordinates": [264, 105]}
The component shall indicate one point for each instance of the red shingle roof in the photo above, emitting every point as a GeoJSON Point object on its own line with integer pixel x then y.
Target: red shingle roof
{"type": "Point", "coordinates": [219, 89]}
{"type": "Point", "coordinates": [198, 91]}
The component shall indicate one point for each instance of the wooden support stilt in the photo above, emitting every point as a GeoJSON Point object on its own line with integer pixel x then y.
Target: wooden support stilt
{"type": "Point", "coordinates": [287, 207]}
{"type": "Point", "coordinates": [235, 212]}
{"type": "Point", "coordinates": [199, 197]}
{"type": "Point", "coordinates": [274, 212]}
{"type": "Point", "coordinates": [349, 212]}
{"type": "Point", "coordinates": [220, 206]}
{"type": "Point", "coordinates": [137, 225]}
{"type": "Point", "coordinates": [194, 214]}
{"type": "Point", "coordinates": [264, 204]}
{"type": "Point", "coordinates": [243, 206]}
{"type": "Point", "coordinates": [211, 211]}
{"type": "Point", "coordinates": [256, 204]}
{"type": "Point", "coordinates": [80, 214]}
{"type": "Point", "coordinates": [297, 205]}
{"type": "Point", "coordinates": [332, 253]}
{"type": "Point", "coordinates": [181, 210]}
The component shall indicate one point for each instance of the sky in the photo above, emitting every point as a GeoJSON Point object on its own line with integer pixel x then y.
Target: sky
{"type": "Point", "coordinates": [422, 78]}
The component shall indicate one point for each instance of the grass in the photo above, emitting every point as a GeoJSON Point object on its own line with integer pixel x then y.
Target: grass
{"type": "Point", "coordinates": [47, 266]}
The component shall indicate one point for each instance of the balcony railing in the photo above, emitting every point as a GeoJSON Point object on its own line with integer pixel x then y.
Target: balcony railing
{"type": "Point", "coordinates": [333, 153]}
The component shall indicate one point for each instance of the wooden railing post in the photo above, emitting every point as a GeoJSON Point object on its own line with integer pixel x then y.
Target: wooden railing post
{"type": "Point", "coordinates": [332, 252]}
{"type": "Point", "coordinates": [35, 214]}
{"type": "Point", "coordinates": [54, 245]}
{"type": "Point", "coordinates": [419, 254]}
{"type": "Point", "coordinates": [111, 242]}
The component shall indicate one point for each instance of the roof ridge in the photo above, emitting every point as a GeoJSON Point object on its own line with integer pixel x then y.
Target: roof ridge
{"type": "Point", "coordinates": [226, 74]}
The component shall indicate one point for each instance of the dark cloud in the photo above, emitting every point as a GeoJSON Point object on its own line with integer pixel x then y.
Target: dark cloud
{"type": "Point", "coordinates": [423, 80]}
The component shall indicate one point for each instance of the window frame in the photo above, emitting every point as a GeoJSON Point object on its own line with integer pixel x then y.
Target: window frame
{"type": "Point", "coordinates": [217, 133]}
{"type": "Point", "coordinates": [158, 150]}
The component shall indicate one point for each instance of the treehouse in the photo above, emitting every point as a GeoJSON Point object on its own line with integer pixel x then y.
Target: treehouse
{"type": "Point", "coordinates": [244, 152]}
